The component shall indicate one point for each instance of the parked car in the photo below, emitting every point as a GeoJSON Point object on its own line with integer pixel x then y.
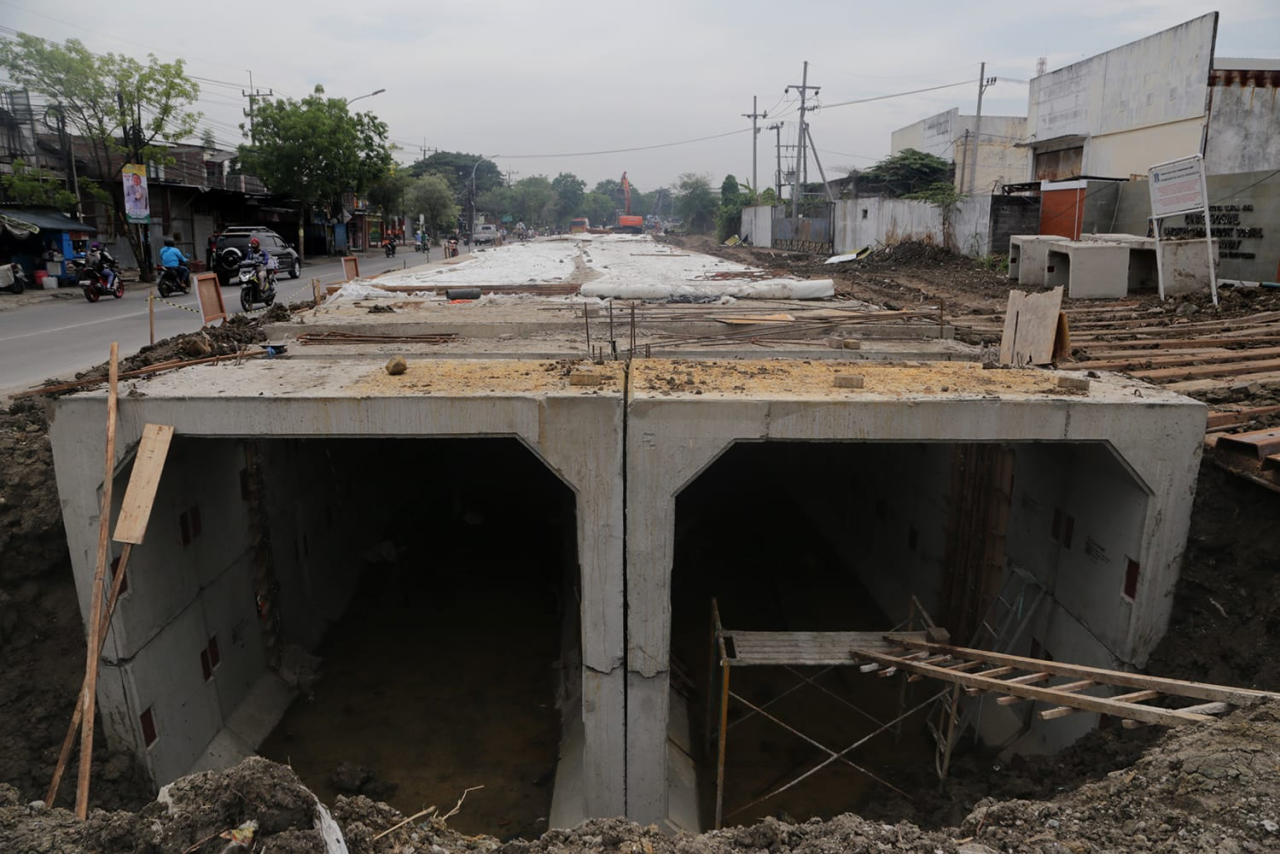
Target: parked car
{"type": "Point", "coordinates": [233, 244]}
{"type": "Point", "coordinates": [483, 234]}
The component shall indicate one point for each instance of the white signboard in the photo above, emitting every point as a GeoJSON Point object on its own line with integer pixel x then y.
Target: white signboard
{"type": "Point", "coordinates": [1177, 187]}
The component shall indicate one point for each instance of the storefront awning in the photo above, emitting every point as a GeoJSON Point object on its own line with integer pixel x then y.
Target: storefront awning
{"type": "Point", "coordinates": [23, 221]}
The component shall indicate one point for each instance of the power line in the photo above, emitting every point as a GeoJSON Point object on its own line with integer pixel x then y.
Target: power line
{"type": "Point", "coordinates": [621, 150]}
{"type": "Point", "coordinates": [894, 95]}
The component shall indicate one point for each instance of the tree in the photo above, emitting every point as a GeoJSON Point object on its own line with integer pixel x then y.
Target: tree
{"type": "Point", "coordinates": [908, 171]}
{"type": "Point", "coordinates": [31, 185]}
{"type": "Point", "coordinates": [597, 207]}
{"type": "Point", "coordinates": [569, 190]}
{"type": "Point", "coordinates": [121, 110]}
{"type": "Point", "coordinates": [535, 200]}
{"type": "Point", "coordinates": [609, 188]}
{"type": "Point", "coordinates": [431, 197]}
{"type": "Point", "coordinates": [695, 202]}
{"type": "Point", "coordinates": [768, 196]}
{"type": "Point", "coordinates": [208, 140]}
{"type": "Point", "coordinates": [315, 151]}
{"type": "Point", "coordinates": [729, 214]}
{"type": "Point", "coordinates": [456, 168]}
{"type": "Point", "coordinates": [388, 193]}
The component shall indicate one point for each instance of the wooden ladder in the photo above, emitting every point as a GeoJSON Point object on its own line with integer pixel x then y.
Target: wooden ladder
{"type": "Point", "coordinates": [1062, 687]}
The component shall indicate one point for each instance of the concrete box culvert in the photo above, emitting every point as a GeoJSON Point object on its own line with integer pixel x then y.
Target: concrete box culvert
{"type": "Point", "coordinates": [1128, 447]}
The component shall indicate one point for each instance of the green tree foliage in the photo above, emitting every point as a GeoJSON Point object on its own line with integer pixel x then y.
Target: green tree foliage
{"type": "Point", "coordinates": [695, 202]}
{"type": "Point", "coordinates": [314, 150]}
{"type": "Point", "coordinates": [104, 99]}
{"type": "Point", "coordinates": [208, 140]}
{"type": "Point", "coordinates": [908, 171]}
{"type": "Point", "coordinates": [31, 185]}
{"type": "Point", "coordinates": [432, 197]}
{"type": "Point", "coordinates": [388, 194]}
{"type": "Point", "coordinates": [598, 208]}
{"type": "Point", "coordinates": [535, 203]}
{"type": "Point", "coordinates": [456, 168]}
{"type": "Point", "coordinates": [768, 197]}
{"type": "Point", "coordinates": [610, 187]}
{"type": "Point", "coordinates": [569, 190]}
{"type": "Point", "coordinates": [729, 215]}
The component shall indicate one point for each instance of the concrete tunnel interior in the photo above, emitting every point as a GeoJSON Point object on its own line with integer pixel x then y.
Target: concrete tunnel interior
{"type": "Point", "coordinates": [838, 536]}
{"type": "Point", "coordinates": [434, 580]}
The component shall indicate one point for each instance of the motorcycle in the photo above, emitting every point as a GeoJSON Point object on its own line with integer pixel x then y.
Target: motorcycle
{"type": "Point", "coordinates": [451, 248]}
{"type": "Point", "coordinates": [421, 246]}
{"type": "Point", "coordinates": [19, 280]}
{"type": "Point", "coordinates": [97, 284]}
{"type": "Point", "coordinates": [167, 282]}
{"type": "Point", "coordinates": [252, 289]}
{"type": "Point", "coordinates": [389, 248]}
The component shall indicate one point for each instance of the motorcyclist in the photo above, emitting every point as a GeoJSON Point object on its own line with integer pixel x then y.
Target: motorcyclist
{"type": "Point", "coordinates": [389, 244]}
{"type": "Point", "coordinates": [171, 258]}
{"type": "Point", "coordinates": [100, 261]}
{"type": "Point", "coordinates": [263, 262]}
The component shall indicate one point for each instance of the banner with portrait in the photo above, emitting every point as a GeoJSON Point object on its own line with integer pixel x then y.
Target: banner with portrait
{"type": "Point", "coordinates": [137, 203]}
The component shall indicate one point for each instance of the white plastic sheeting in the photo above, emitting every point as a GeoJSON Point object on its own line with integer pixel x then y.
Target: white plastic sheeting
{"type": "Point", "coordinates": [747, 289]}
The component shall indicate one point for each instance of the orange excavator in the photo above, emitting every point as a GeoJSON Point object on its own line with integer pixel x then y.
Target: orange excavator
{"type": "Point", "coordinates": [627, 224]}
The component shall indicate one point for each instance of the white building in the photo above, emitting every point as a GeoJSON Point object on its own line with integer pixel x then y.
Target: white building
{"type": "Point", "coordinates": [987, 154]}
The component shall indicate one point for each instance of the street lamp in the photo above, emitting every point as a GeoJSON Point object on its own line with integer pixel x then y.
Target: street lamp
{"type": "Point", "coordinates": [370, 95]}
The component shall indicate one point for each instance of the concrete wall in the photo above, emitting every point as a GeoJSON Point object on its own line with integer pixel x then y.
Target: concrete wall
{"type": "Point", "coordinates": [757, 225]}
{"type": "Point", "coordinates": [1245, 212]}
{"type": "Point", "coordinates": [578, 437]}
{"type": "Point", "coordinates": [1134, 105]}
{"type": "Point", "coordinates": [188, 583]}
{"type": "Point", "coordinates": [675, 440]}
{"type": "Point", "coordinates": [999, 160]}
{"type": "Point", "coordinates": [1244, 122]}
{"type": "Point", "coordinates": [877, 221]}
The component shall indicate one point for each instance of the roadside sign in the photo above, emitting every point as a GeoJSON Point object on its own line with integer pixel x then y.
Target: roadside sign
{"type": "Point", "coordinates": [137, 202]}
{"type": "Point", "coordinates": [1178, 187]}
{"type": "Point", "coordinates": [209, 291]}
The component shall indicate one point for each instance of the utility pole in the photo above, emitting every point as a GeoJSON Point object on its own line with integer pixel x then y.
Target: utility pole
{"type": "Point", "coordinates": [777, 175]}
{"type": "Point", "coordinates": [983, 83]}
{"type": "Point", "coordinates": [755, 131]}
{"type": "Point", "coordinates": [510, 174]}
{"type": "Point", "coordinates": [801, 162]}
{"type": "Point", "coordinates": [825, 185]}
{"type": "Point", "coordinates": [253, 94]}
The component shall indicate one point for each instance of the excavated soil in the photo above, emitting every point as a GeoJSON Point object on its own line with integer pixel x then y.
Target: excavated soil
{"type": "Point", "coordinates": [1209, 787]}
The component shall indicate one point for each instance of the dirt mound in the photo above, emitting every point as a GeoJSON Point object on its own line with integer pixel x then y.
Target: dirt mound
{"type": "Point", "coordinates": [1213, 787]}
{"type": "Point", "coordinates": [1225, 625]}
{"type": "Point", "coordinates": [1209, 788]}
{"type": "Point", "coordinates": [31, 536]}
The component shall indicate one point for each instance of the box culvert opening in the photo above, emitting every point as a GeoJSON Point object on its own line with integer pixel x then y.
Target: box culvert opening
{"type": "Point", "coordinates": [435, 582]}
{"type": "Point", "coordinates": [824, 537]}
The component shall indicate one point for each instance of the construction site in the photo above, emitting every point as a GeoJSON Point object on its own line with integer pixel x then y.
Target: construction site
{"type": "Point", "coordinates": [634, 543]}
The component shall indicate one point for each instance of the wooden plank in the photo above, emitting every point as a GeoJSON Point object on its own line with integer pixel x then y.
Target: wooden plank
{"type": "Point", "coordinates": [1031, 328]}
{"type": "Point", "coordinates": [1066, 689]}
{"type": "Point", "coordinates": [1137, 696]}
{"type": "Point", "coordinates": [1230, 418]}
{"type": "Point", "coordinates": [1057, 712]}
{"type": "Point", "coordinates": [1180, 687]}
{"type": "Point", "coordinates": [140, 495]}
{"type": "Point", "coordinates": [1208, 709]}
{"type": "Point", "coordinates": [1087, 342]}
{"type": "Point", "coordinates": [1266, 378]}
{"type": "Point", "coordinates": [1257, 443]}
{"type": "Point", "coordinates": [1146, 714]}
{"type": "Point", "coordinates": [1192, 373]}
{"type": "Point", "coordinates": [92, 654]}
{"type": "Point", "coordinates": [1017, 680]}
{"type": "Point", "coordinates": [1190, 358]}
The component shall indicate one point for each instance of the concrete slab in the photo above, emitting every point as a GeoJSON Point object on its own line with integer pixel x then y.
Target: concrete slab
{"type": "Point", "coordinates": [1089, 270]}
{"type": "Point", "coordinates": [1028, 254]}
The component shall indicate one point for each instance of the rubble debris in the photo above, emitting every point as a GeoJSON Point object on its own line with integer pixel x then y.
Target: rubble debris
{"type": "Point", "coordinates": [397, 366]}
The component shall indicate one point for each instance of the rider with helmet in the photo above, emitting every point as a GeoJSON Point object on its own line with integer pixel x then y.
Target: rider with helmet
{"type": "Point", "coordinates": [171, 258]}
{"type": "Point", "coordinates": [264, 261]}
{"type": "Point", "coordinates": [100, 261]}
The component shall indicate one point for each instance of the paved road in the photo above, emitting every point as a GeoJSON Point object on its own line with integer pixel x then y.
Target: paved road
{"type": "Point", "coordinates": [58, 337]}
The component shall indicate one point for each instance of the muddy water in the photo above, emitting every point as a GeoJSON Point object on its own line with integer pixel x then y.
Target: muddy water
{"type": "Point", "coordinates": [436, 686]}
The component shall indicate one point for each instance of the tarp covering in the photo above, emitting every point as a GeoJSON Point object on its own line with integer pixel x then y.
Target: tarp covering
{"type": "Point", "coordinates": [22, 221]}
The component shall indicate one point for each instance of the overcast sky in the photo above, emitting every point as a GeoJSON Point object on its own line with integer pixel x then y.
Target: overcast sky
{"type": "Point", "coordinates": [536, 77]}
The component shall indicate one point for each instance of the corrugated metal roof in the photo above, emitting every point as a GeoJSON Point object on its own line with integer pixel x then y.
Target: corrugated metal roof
{"type": "Point", "coordinates": [44, 219]}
